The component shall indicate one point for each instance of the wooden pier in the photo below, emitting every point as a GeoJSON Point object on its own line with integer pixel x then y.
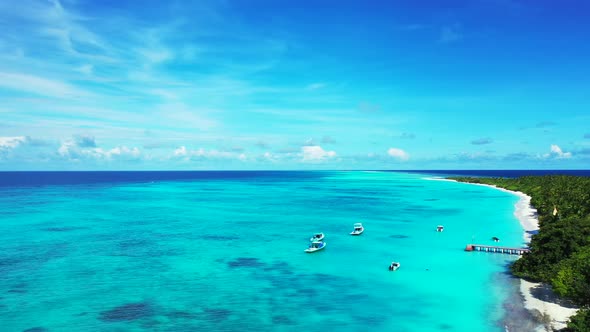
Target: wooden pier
{"type": "Point", "coordinates": [496, 249]}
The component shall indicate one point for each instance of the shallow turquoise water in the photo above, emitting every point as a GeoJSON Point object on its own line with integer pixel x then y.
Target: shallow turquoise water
{"type": "Point", "coordinates": [227, 254]}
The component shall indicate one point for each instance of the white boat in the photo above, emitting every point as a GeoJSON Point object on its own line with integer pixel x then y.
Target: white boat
{"type": "Point", "coordinates": [358, 229]}
{"type": "Point", "coordinates": [317, 237]}
{"type": "Point", "coordinates": [394, 266]}
{"type": "Point", "coordinates": [440, 228]}
{"type": "Point", "coordinates": [315, 246]}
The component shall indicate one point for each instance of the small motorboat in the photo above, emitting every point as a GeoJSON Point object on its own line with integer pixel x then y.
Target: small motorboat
{"type": "Point", "coordinates": [315, 246]}
{"type": "Point", "coordinates": [495, 239]}
{"type": "Point", "coordinates": [317, 237]}
{"type": "Point", "coordinates": [358, 229]}
{"type": "Point", "coordinates": [394, 266]}
{"type": "Point", "coordinates": [440, 228]}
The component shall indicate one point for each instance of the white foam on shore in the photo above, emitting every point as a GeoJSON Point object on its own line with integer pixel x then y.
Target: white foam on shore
{"type": "Point", "coordinates": [547, 306]}
{"type": "Point", "coordinates": [527, 216]}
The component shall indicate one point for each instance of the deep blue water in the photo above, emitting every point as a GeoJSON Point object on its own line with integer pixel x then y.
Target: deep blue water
{"type": "Point", "coordinates": [41, 178]}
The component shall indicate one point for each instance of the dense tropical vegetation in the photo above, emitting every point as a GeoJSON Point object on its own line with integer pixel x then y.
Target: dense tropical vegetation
{"type": "Point", "coordinates": [560, 252]}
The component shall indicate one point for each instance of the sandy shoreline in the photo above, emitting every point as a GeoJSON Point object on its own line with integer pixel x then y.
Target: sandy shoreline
{"type": "Point", "coordinates": [547, 304]}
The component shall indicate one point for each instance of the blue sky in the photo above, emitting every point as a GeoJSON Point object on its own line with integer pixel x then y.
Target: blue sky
{"type": "Point", "coordinates": [302, 85]}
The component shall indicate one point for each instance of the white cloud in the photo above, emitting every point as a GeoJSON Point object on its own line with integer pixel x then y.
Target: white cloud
{"type": "Point", "coordinates": [277, 157]}
{"type": "Point", "coordinates": [66, 149]}
{"type": "Point", "coordinates": [557, 153]}
{"type": "Point", "coordinates": [186, 154]}
{"type": "Point", "coordinates": [70, 150]}
{"type": "Point", "coordinates": [8, 143]}
{"type": "Point", "coordinates": [123, 152]}
{"type": "Point", "coordinates": [269, 156]}
{"type": "Point", "coordinates": [180, 152]}
{"type": "Point", "coordinates": [316, 153]}
{"type": "Point", "coordinates": [398, 154]}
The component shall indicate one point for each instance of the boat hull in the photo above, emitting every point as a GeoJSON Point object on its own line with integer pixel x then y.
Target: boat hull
{"type": "Point", "coordinates": [312, 250]}
{"type": "Point", "coordinates": [357, 232]}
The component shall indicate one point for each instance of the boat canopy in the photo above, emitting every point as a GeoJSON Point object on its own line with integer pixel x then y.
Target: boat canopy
{"type": "Point", "coordinates": [358, 225]}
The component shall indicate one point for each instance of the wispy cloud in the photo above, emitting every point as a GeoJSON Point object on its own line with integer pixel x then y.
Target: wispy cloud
{"type": "Point", "coordinates": [86, 69]}
{"type": "Point", "coordinates": [203, 154]}
{"type": "Point", "coordinates": [541, 126]}
{"type": "Point", "coordinates": [482, 141]}
{"type": "Point", "coordinates": [155, 56]}
{"type": "Point", "coordinates": [405, 135]}
{"type": "Point", "coordinates": [366, 107]}
{"type": "Point", "coordinates": [474, 156]}
{"type": "Point", "coordinates": [517, 156]}
{"type": "Point", "coordinates": [50, 25]}
{"type": "Point", "coordinates": [262, 145]}
{"type": "Point", "coordinates": [413, 27]}
{"type": "Point", "coordinates": [157, 145]}
{"type": "Point", "coordinates": [583, 152]}
{"type": "Point", "coordinates": [309, 142]}
{"type": "Point", "coordinates": [450, 34]}
{"type": "Point", "coordinates": [328, 140]}
{"type": "Point", "coordinates": [39, 85]}
{"type": "Point", "coordinates": [315, 86]}
{"type": "Point", "coordinates": [180, 114]}
{"type": "Point", "coordinates": [545, 124]}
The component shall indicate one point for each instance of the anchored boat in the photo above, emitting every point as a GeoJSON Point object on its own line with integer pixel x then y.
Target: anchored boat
{"type": "Point", "coordinates": [315, 246]}
{"type": "Point", "coordinates": [358, 229]}
{"type": "Point", "coordinates": [394, 266]}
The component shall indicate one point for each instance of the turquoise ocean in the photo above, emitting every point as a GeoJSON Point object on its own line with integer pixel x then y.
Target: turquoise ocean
{"type": "Point", "coordinates": [225, 253]}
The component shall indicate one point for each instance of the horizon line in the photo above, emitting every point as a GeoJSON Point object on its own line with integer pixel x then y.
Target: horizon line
{"type": "Point", "coordinates": [296, 170]}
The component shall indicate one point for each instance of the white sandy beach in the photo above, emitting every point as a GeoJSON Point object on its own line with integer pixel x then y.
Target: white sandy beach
{"type": "Point", "coordinates": [548, 306]}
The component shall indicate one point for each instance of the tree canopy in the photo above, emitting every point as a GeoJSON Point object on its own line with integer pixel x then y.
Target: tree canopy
{"type": "Point", "coordinates": [560, 252]}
